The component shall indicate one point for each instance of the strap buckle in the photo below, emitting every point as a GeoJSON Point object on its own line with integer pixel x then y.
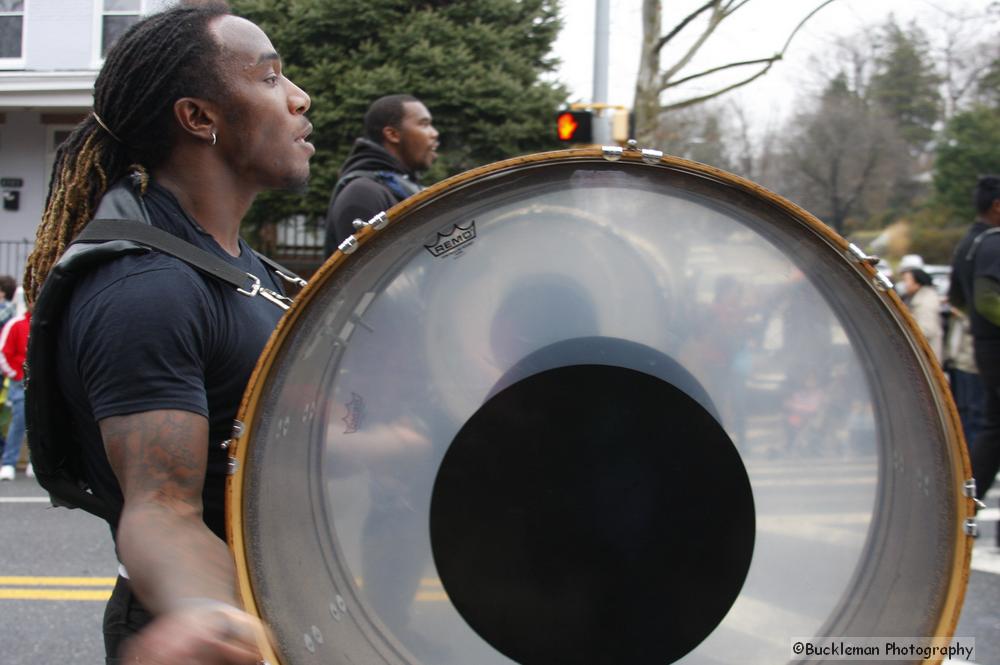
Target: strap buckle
{"type": "Point", "coordinates": [292, 279]}
{"type": "Point", "coordinates": [284, 302]}
{"type": "Point", "coordinates": [254, 286]}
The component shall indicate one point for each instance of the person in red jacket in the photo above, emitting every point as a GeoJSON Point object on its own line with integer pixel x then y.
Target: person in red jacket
{"type": "Point", "coordinates": [13, 349]}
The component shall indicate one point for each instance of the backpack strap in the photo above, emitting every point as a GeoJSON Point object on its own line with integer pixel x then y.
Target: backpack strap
{"type": "Point", "coordinates": [971, 254]}
{"type": "Point", "coordinates": [400, 185]}
{"type": "Point", "coordinates": [55, 454]}
{"type": "Point", "coordinates": [247, 284]}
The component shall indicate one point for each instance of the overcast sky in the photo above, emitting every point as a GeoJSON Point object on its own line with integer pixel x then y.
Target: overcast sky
{"type": "Point", "coordinates": [757, 30]}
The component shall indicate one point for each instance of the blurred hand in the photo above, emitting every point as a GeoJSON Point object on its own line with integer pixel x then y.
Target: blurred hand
{"type": "Point", "coordinates": [204, 634]}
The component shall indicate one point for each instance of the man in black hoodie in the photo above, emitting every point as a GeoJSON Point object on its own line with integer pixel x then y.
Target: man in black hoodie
{"type": "Point", "coordinates": [381, 170]}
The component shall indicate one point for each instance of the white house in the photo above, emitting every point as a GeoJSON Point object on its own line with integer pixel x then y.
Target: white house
{"type": "Point", "coordinates": [50, 52]}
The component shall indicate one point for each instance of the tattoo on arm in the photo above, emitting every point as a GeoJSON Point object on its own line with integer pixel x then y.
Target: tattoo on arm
{"type": "Point", "coordinates": [162, 453]}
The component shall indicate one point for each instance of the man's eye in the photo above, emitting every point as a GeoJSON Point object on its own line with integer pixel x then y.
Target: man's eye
{"type": "Point", "coordinates": [272, 79]}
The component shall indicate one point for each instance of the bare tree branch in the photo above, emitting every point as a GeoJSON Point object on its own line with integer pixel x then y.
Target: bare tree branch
{"type": "Point", "coordinates": [704, 98]}
{"type": "Point", "coordinates": [808, 16]}
{"type": "Point", "coordinates": [652, 82]}
{"type": "Point", "coordinates": [680, 26]}
{"type": "Point", "coordinates": [729, 10]}
{"type": "Point", "coordinates": [713, 23]}
{"type": "Point", "coordinates": [866, 173]}
{"type": "Point", "coordinates": [665, 82]}
{"type": "Point", "coordinates": [713, 70]}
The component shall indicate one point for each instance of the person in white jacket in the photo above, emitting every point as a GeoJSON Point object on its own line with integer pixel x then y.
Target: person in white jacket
{"type": "Point", "coordinates": [925, 305]}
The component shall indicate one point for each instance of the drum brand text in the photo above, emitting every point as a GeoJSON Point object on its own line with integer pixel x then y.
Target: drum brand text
{"type": "Point", "coordinates": [459, 237]}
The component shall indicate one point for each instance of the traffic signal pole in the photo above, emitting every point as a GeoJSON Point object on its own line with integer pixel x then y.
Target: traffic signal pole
{"type": "Point", "coordinates": [596, 122]}
{"type": "Point", "coordinates": [602, 120]}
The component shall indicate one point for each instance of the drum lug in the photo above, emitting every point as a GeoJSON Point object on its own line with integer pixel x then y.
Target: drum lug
{"type": "Point", "coordinates": [232, 466]}
{"type": "Point", "coordinates": [349, 245]}
{"type": "Point", "coordinates": [612, 153]}
{"type": "Point", "coordinates": [971, 528]}
{"type": "Point", "coordinates": [648, 155]}
{"type": "Point", "coordinates": [860, 254]}
{"type": "Point", "coordinates": [969, 489]}
{"type": "Point", "coordinates": [881, 281]}
{"type": "Point", "coordinates": [378, 222]}
{"type": "Point", "coordinates": [237, 429]}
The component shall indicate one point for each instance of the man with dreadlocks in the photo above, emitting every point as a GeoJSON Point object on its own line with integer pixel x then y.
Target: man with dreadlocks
{"type": "Point", "coordinates": [153, 357]}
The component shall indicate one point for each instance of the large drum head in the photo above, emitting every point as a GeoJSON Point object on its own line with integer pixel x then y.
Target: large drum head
{"type": "Point", "coordinates": [567, 409]}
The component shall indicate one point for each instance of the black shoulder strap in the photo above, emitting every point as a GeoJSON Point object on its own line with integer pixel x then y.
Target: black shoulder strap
{"type": "Point", "coordinates": [400, 186]}
{"type": "Point", "coordinates": [57, 458]}
{"type": "Point", "coordinates": [105, 230]}
{"type": "Point", "coordinates": [971, 254]}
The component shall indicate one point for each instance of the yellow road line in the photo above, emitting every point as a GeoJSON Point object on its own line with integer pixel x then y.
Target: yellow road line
{"type": "Point", "coordinates": [56, 581]}
{"type": "Point", "coordinates": [55, 594]}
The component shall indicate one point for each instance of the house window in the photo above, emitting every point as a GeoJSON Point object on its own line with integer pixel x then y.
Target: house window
{"type": "Point", "coordinates": [11, 30]}
{"type": "Point", "coordinates": [117, 16]}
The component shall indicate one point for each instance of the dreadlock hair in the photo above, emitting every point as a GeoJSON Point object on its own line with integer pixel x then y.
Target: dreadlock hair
{"type": "Point", "coordinates": [160, 59]}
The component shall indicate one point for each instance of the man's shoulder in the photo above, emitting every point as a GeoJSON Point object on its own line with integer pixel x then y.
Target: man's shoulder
{"type": "Point", "coordinates": [366, 192]}
{"type": "Point", "coordinates": [152, 276]}
{"type": "Point", "coordinates": [371, 181]}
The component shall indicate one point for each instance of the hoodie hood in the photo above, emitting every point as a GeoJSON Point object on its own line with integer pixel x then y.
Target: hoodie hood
{"type": "Point", "coordinates": [369, 156]}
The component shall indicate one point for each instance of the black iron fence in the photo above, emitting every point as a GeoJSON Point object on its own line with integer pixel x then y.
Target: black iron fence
{"type": "Point", "coordinates": [294, 243]}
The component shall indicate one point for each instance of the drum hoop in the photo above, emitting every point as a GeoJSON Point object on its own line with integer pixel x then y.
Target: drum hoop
{"type": "Point", "coordinates": [948, 412]}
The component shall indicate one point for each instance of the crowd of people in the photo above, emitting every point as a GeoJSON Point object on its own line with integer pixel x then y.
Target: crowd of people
{"type": "Point", "coordinates": [16, 321]}
{"type": "Point", "coordinates": [963, 329]}
{"type": "Point", "coordinates": [975, 293]}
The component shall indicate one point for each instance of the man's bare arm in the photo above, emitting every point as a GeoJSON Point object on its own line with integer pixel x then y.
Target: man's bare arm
{"type": "Point", "coordinates": [177, 566]}
{"type": "Point", "coordinates": [159, 458]}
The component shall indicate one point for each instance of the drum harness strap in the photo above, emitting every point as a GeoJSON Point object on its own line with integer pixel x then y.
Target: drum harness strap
{"type": "Point", "coordinates": [147, 236]}
{"type": "Point", "coordinates": [971, 254]}
{"type": "Point", "coordinates": [120, 227]}
{"type": "Point", "coordinates": [397, 183]}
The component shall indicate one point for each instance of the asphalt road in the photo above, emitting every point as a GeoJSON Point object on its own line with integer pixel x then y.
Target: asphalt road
{"type": "Point", "coordinates": [58, 567]}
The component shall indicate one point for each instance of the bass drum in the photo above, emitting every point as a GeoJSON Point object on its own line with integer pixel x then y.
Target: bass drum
{"type": "Point", "coordinates": [596, 406]}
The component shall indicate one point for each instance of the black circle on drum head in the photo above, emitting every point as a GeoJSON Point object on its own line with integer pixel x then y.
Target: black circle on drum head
{"type": "Point", "coordinates": [592, 514]}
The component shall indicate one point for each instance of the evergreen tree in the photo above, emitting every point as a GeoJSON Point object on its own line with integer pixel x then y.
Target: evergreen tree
{"type": "Point", "coordinates": [906, 84]}
{"type": "Point", "coordinates": [971, 147]}
{"type": "Point", "coordinates": [988, 86]}
{"type": "Point", "coordinates": [480, 66]}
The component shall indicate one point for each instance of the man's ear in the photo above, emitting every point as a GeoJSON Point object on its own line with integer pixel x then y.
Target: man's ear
{"type": "Point", "coordinates": [391, 134]}
{"type": "Point", "coordinates": [197, 118]}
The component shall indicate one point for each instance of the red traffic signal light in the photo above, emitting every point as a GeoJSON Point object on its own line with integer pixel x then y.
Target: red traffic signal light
{"type": "Point", "coordinates": [575, 127]}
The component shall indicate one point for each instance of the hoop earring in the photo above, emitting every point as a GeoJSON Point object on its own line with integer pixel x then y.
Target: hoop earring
{"type": "Point", "coordinates": [213, 138]}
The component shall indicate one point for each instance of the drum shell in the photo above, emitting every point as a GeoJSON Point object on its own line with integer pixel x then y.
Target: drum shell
{"type": "Point", "coordinates": [871, 588]}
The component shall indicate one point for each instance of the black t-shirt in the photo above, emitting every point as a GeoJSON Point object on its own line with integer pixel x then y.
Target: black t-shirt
{"type": "Point", "coordinates": [148, 332]}
{"type": "Point", "coordinates": [985, 263]}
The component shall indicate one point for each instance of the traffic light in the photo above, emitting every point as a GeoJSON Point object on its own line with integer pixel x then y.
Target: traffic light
{"type": "Point", "coordinates": [575, 127]}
